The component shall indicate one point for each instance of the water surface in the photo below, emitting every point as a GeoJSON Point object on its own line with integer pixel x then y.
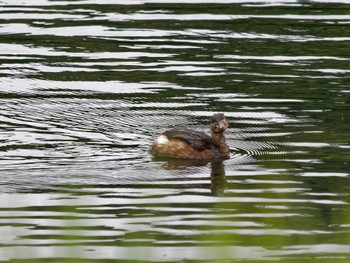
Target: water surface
{"type": "Point", "coordinates": [86, 86]}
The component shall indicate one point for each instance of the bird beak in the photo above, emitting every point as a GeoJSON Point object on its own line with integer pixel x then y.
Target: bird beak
{"type": "Point", "coordinates": [223, 125]}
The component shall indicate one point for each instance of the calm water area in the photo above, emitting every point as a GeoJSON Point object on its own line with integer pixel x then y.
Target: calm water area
{"type": "Point", "coordinates": [87, 85]}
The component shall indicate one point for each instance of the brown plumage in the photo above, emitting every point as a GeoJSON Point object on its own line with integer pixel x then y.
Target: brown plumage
{"type": "Point", "coordinates": [191, 144]}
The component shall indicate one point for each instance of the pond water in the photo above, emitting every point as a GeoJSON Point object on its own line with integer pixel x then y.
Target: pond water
{"type": "Point", "coordinates": [87, 85]}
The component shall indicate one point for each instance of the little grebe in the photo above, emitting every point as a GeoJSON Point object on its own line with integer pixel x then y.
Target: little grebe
{"type": "Point", "coordinates": [190, 144]}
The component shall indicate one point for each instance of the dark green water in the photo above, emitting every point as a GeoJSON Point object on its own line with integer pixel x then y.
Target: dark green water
{"type": "Point", "coordinates": [86, 86]}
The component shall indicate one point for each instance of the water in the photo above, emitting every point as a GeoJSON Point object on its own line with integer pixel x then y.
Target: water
{"type": "Point", "coordinates": [86, 86]}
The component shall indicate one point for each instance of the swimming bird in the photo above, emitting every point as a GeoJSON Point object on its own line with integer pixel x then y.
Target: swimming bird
{"type": "Point", "coordinates": [190, 144]}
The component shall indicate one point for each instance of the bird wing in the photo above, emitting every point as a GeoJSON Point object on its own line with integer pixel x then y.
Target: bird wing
{"type": "Point", "coordinates": [196, 139]}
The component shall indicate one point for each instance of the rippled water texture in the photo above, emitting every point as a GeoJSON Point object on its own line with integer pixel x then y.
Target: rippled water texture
{"type": "Point", "coordinates": [86, 86]}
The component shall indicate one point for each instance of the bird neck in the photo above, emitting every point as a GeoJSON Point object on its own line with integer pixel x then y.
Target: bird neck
{"type": "Point", "coordinates": [218, 139]}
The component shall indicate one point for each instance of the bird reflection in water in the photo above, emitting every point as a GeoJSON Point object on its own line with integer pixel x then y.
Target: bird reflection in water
{"type": "Point", "coordinates": [217, 172]}
{"type": "Point", "coordinates": [218, 178]}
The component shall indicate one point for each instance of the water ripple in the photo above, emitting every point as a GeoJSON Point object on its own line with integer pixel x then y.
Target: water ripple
{"type": "Point", "coordinates": [86, 86]}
